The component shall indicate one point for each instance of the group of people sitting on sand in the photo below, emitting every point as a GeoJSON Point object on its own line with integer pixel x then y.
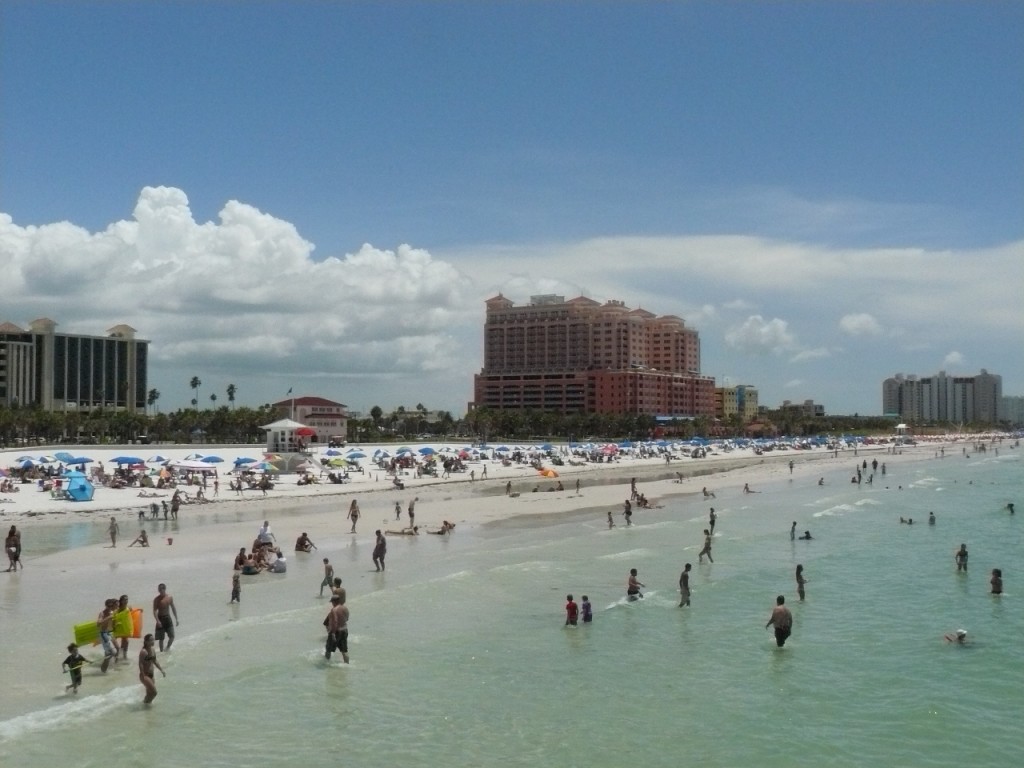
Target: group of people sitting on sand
{"type": "Point", "coordinates": [260, 559]}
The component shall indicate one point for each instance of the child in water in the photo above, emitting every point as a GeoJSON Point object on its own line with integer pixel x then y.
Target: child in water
{"type": "Point", "coordinates": [586, 610]}
{"type": "Point", "coordinates": [236, 589]}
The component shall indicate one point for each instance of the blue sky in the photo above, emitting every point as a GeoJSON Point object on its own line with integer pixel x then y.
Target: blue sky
{"type": "Point", "coordinates": [321, 195]}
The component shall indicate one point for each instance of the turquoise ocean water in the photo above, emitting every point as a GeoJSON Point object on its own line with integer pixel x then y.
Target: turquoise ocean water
{"type": "Point", "coordinates": [460, 656]}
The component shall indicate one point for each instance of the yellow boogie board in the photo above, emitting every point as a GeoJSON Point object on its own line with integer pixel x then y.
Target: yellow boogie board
{"type": "Point", "coordinates": [87, 633]}
{"type": "Point", "coordinates": [126, 624]}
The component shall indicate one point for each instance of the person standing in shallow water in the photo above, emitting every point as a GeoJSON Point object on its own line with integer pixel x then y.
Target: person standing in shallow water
{"type": "Point", "coordinates": [684, 586]}
{"type": "Point", "coordinates": [961, 558]}
{"type": "Point", "coordinates": [353, 514]}
{"type": "Point", "coordinates": [712, 518]}
{"type": "Point", "coordinates": [707, 548]}
{"type": "Point", "coordinates": [633, 586]}
{"type": "Point", "coordinates": [147, 661]}
{"type": "Point", "coordinates": [800, 581]}
{"type": "Point", "coordinates": [997, 581]}
{"type": "Point", "coordinates": [380, 549]}
{"type": "Point", "coordinates": [783, 621]}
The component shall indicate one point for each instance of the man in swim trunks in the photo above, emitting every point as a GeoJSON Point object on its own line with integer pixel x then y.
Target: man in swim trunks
{"type": "Point", "coordinates": [684, 586]}
{"type": "Point", "coordinates": [163, 607]}
{"type": "Point", "coordinates": [337, 629]}
{"type": "Point", "coordinates": [782, 619]}
{"type": "Point", "coordinates": [633, 586]}
{"type": "Point", "coordinates": [572, 611]}
{"type": "Point", "coordinates": [380, 549]}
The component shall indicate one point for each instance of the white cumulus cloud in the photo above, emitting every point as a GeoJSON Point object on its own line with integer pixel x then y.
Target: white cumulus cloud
{"type": "Point", "coordinates": [239, 296]}
{"type": "Point", "coordinates": [860, 324]}
{"type": "Point", "coordinates": [953, 358]}
{"type": "Point", "coordinates": [757, 335]}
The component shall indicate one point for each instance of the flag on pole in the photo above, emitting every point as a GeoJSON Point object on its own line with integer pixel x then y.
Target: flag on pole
{"type": "Point", "coordinates": [289, 390]}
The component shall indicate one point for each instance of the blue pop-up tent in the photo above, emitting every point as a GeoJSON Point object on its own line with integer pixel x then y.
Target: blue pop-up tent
{"type": "Point", "coordinates": [79, 488]}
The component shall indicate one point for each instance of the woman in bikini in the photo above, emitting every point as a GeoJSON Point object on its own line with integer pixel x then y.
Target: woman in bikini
{"type": "Point", "coordinates": [147, 661]}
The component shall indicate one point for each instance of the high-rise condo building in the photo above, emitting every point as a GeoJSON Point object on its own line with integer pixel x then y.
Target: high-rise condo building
{"type": "Point", "coordinates": [941, 398]}
{"type": "Point", "coordinates": [65, 372]}
{"type": "Point", "coordinates": [581, 356]}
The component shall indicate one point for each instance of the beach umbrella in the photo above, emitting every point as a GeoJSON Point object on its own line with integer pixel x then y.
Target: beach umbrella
{"type": "Point", "coordinates": [548, 473]}
{"type": "Point", "coordinates": [271, 457]}
{"type": "Point", "coordinates": [78, 460]}
{"type": "Point", "coordinates": [46, 459]}
{"type": "Point", "coordinates": [337, 461]}
{"type": "Point", "coordinates": [26, 464]}
{"type": "Point", "coordinates": [332, 452]}
{"type": "Point", "coordinates": [158, 459]}
{"type": "Point", "coordinates": [380, 454]}
{"type": "Point", "coordinates": [127, 460]}
{"type": "Point", "coordinates": [427, 451]}
{"type": "Point", "coordinates": [305, 432]}
{"type": "Point", "coordinates": [63, 456]}
{"type": "Point", "coordinates": [502, 449]}
{"type": "Point", "coordinates": [194, 457]}
{"type": "Point", "coordinates": [404, 448]}
{"type": "Point", "coordinates": [3, 472]}
{"type": "Point", "coordinates": [212, 459]}
{"type": "Point", "coordinates": [245, 460]}
{"type": "Point", "coordinates": [24, 458]}
{"type": "Point", "coordinates": [356, 455]}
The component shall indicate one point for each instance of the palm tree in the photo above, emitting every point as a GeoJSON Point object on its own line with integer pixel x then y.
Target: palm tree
{"type": "Point", "coordinates": [151, 397]}
{"type": "Point", "coordinates": [213, 398]}
{"type": "Point", "coordinates": [232, 389]}
{"type": "Point", "coordinates": [194, 385]}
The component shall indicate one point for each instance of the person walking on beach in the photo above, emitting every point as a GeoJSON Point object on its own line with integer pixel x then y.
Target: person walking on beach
{"type": "Point", "coordinates": [782, 619]}
{"type": "Point", "coordinates": [163, 608]}
{"type": "Point", "coordinates": [961, 558]}
{"type": "Point", "coordinates": [105, 624]}
{"type": "Point", "coordinates": [12, 546]}
{"type": "Point", "coordinates": [572, 611]}
{"type": "Point", "coordinates": [712, 517]}
{"type": "Point", "coordinates": [707, 548]}
{"type": "Point", "coordinates": [508, 488]}
{"type": "Point", "coordinates": [684, 586]}
{"type": "Point", "coordinates": [122, 607]}
{"type": "Point", "coordinates": [380, 549]}
{"type": "Point", "coordinates": [800, 581]}
{"type": "Point", "coordinates": [627, 512]}
{"type": "Point", "coordinates": [73, 664]}
{"type": "Point", "coordinates": [633, 586]}
{"type": "Point", "coordinates": [113, 530]}
{"type": "Point", "coordinates": [353, 514]}
{"type": "Point", "coordinates": [328, 576]}
{"type": "Point", "coordinates": [147, 661]}
{"type": "Point", "coordinates": [337, 629]}
{"type": "Point", "coordinates": [398, 510]}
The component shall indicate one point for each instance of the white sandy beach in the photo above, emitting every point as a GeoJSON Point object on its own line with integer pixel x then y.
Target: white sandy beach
{"type": "Point", "coordinates": [316, 508]}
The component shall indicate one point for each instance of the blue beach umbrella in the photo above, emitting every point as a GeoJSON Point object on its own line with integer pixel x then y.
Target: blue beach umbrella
{"type": "Point", "coordinates": [26, 464]}
{"type": "Point", "coordinates": [427, 451]}
{"type": "Point", "coordinates": [332, 452]}
{"type": "Point", "coordinates": [355, 455]}
{"type": "Point", "coordinates": [211, 459]}
{"type": "Point", "coordinates": [127, 460]}
{"type": "Point", "coordinates": [63, 456]}
{"type": "Point", "coordinates": [78, 460]}
{"type": "Point", "coordinates": [158, 459]}
{"type": "Point", "coordinates": [245, 460]}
